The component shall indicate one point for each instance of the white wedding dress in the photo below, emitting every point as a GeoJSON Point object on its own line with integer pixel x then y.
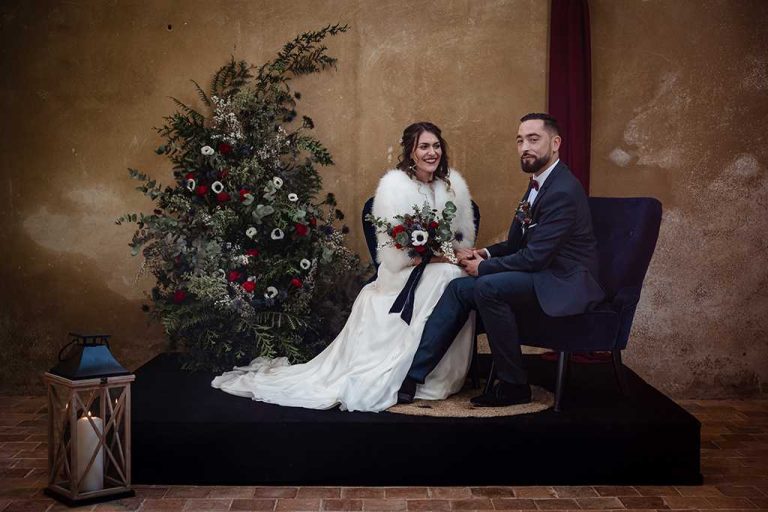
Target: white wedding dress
{"type": "Point", "coordinates": [363, 368]}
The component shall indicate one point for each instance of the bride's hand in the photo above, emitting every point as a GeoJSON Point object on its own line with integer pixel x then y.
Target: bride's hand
{"type": "Point", "coordinates": [465, 254]}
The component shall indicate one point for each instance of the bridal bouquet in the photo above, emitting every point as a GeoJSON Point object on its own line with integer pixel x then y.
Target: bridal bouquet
{"type": "Point", "coordinates": [421, 233]}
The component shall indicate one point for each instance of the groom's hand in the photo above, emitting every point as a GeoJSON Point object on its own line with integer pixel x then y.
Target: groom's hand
{"type": "Point", "coordinates": [465, 254]}
{"type": "Point", "coordinates": [470, 266]}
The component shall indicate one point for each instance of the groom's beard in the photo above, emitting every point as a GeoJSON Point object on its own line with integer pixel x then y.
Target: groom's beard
{"type": "Point", "coordinates": [534, 166]}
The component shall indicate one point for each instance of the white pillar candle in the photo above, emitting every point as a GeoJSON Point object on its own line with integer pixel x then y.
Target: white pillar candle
{"type": "Point", "coordinates": [87, 443]}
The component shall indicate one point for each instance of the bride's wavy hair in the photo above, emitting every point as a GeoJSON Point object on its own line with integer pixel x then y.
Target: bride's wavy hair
{"type": "Point", "coordinates": [410, 137]}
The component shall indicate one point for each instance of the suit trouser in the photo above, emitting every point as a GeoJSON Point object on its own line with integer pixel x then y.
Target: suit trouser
{"type": "Point", "coordinates": [497, 297]}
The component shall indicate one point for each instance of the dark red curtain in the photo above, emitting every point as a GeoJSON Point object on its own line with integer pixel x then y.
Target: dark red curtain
{"type": "Point", "coordinates": [570, 82]}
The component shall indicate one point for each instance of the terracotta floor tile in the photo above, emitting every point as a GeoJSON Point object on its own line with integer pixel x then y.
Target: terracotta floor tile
{"type": "Point", "coordinates": [388, 505]}
{"type": "Point", "coordinates": [319, 492]}
{"type": "Point", "coordinates": [575, 492]}
{"type": "Point", "coordinates": [535, 492]}
{"type": "Point", "coordinates": [308, 504]}
{"type": "Point", "coordinates": [342, 505]}
{"type": "Point", "coordinates": [362, 492]}
{"type": "Point", "coordinates": [406, 492]}
{"type": "Point", "coordinates": [699, 490]}
{"type": "Point", "coordinates": [683, 502]}
{"type": "Point", "coordinates": [657, 490]}
{"type": "Point", "coordinates": [231, 492]}
{"type": "Point", "coordinates": [655, 502]}
{"type": "Point", "coordinates": [472, 504]}
{"type": "Point", "coordinates": [556, 504]}
{"type": "Point", "coordinates": [514, 504]}
{"type": "Point", "coordinates": [207, 504]}
{"type": "Point", "coordinates": [493, 492]}
{"type": "Point", "coordinates": [253, 504]}
{"type": "Point", "coordinates": [29, 505]}
{"type": "Point", "coordinates": [429, 505]}
{"type": "Point", "coordinates": [275, 492]}
{"type": "Point", "coordinates": [155, 504]}
{"type": "Point", "coordinates": [616, 490]}
{"type": "Point", "coordinates": [187, 492]}
{"type": "Point", "coordinates": [599, 503]}
{"type": "Point", "coordinates": [450, 493]}
{"type": "Point", "coordinates": [746, 491]}
{"type": "Point", "coordinates": [729, 502]}
{"type": "Point", "coordinates": [123, 505]}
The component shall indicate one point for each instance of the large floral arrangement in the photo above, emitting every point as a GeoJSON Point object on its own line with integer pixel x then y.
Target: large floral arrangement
{"type": "Point", "coordinates": [422, 232]}
{"type": "Point", "coordinates": [248, 261]}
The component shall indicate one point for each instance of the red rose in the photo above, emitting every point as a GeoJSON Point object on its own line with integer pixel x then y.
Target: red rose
{"type": "Point", "coordinates": [225, 148]}
{"type": "Point", "coordinates": [243, 192]}
{"type": "Point", "coordinates": [398, 246]}
{"type": "Point", "coordinates": [223, 197]}
{"type": "Point", "coordinates": [313, 221]}
{"type": "Point", "coordinates": [252, 252]}
{"type": "Point", "coordinates": [433, 225]}
{"type": "Point", "coordinates": [419, 249]}
{"type": "Point", "coordinates": [233, 276]}
{"type": "Point", "coordinates": [223, 173]}
{"type": "Point", "coordinates": [179, 296]}
{"type": "Point", "coordinates": [296, 282]}
{"type": "Point", "coordinates": [302, 229]}
{"type": "Point", "coordinates": [189, 176]}
{"type": "Point", "coordinates": [397, 230]}
{"type": "Point", "coordinates": [249, 286]}
{"type": "Point", "coordinates": [201, 190]}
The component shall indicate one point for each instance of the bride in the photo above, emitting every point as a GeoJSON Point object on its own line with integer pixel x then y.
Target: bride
{"type": "Point", "coordinates": [363, 368]}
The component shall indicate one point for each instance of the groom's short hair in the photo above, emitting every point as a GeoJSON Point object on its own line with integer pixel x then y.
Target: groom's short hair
{"type": "Point", "coordinates": [550, 123]}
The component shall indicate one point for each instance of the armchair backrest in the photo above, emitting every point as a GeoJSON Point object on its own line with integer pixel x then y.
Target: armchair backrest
{"type": "Point", "coordinates": [626, 230]}
{"type": "Point", "coordinates": [370, 231]}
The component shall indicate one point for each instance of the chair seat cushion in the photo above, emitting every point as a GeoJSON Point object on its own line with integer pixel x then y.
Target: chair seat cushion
{"type": "Point", "coordinates": [593, 330]}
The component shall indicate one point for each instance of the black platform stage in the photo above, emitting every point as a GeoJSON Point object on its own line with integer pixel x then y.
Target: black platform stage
{"type": "Point", "coordinates": [185, 432]}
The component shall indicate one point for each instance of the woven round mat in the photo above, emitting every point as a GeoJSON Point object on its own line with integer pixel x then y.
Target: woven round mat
{"type": "Point", "coordinates": [458, 406]}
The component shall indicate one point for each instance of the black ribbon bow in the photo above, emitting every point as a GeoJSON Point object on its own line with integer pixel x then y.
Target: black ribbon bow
{"type": "Point", "coordinates": [534, 184]}
{"type": "Point", "coordinates": [404, 301]}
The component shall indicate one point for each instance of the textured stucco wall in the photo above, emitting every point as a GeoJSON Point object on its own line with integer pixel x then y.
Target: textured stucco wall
{"type": "Point", "coordinates": [84, 83]}
{"type": "Point", "coordinates": [680, 113]}
{"type": "Point", "coordinates": [677, 115]}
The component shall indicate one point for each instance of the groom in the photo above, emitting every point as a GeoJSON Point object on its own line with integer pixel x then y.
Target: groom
{"type": "Point", "coordinates": [548, 262]}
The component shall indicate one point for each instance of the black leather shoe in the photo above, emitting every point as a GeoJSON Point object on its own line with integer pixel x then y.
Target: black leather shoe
{"type": "Point", "coordinates": [504, 394]}
{"type": "Point", "coordinates": [407, 391]}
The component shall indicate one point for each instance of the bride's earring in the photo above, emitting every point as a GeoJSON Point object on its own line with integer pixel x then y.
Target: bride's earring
{"type": "Point", "coordinates": [412, 167]}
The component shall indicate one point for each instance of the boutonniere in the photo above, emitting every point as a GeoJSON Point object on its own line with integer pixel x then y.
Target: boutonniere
{"type": "Point", "coordinates": [523, 214]}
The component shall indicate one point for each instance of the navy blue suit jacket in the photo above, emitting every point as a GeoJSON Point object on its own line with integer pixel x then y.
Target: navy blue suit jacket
{"type": "Point", "coordinates": [558, 248]}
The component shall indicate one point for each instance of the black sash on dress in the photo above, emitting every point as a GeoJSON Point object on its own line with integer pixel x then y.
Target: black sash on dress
{"type": "Point", "coordinates": [404, 302]}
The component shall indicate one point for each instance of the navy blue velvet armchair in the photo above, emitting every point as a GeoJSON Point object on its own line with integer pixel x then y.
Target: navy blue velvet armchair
{"type": "Point", "coordinates": [626, 230]}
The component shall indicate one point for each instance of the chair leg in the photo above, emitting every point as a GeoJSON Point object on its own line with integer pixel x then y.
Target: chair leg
{"type": "Point", "coordinates": [562, 365]}
{"type": "Point", "coordinates": [618, 371]}
{"type": "Point", "coordinates": [473, 372]}
{"type": "Point", "coordinates": [491, 378]}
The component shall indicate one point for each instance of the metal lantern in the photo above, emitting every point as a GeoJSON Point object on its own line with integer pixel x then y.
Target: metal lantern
{"type": "Point", "coordinates": [89, 423]}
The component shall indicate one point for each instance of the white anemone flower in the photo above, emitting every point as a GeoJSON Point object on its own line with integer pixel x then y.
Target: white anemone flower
{"type": "Point", "coordinates": [305, 264]}
{"type": "Point", "coordinates": [293, 197]}
{"type": "Point", "coordinates": [277, 234]}
{"type": "Point", "coordinates": [207, 150]}
{"type": "Point", "coordinates": [271, 293]}
{"type": "Point", "coordinates": [217, 187]}
{"type": "Point", "coordinates": [251, 232]}
{"type": "Point", "coordinates": [191, 185]}
{"type": "Point", "coordinates": [419, 237]}
{"type": "Point", "coordinates": [277, 181]}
